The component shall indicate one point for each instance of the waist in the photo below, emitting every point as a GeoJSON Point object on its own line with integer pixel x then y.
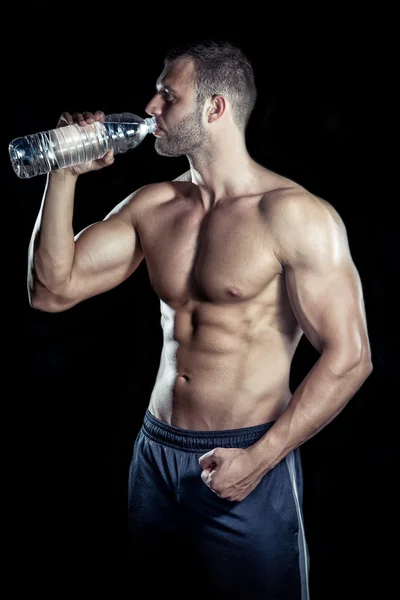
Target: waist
{"type": "Point", "coordinates": [194, 440]}
{"type": "Point", "coordinates": [247, 372]}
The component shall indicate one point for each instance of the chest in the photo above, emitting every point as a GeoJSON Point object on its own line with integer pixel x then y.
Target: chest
{"type": "Point", "coordinates": [223, 255]}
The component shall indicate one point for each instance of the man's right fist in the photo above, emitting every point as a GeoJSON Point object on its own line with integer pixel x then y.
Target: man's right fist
{"type": "Point", "coordinates": [84, 119]}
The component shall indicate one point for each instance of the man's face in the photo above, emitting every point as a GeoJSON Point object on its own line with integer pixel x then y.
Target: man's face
{"type": "Point", "coordinates": [177, 112]}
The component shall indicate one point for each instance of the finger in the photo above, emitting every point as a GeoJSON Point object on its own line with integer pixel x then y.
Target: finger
{"type": "Point", "coordinates": [108, 158]}
{"type": "Point", "coordinates": [207, 460]}
{"type": "Point", "coordinates": [212, 486]}
{"type": "Point", "coordinates": [79, 118]}
{"type": "Point", "coordinates": [207, 476]}
{"type": "Point", "coordinates": [208, 463]}
{"type": "Point", "coordinates": [105, 161]}
{"type": "Point", "coordinates": [89, 117]}
{"type": "Point", "coordinates": [99, 115]}
{"type": "Point", "coordinates": [65, 119]}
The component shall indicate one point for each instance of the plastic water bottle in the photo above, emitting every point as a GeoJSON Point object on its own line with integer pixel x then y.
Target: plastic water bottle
{"type": "Point", "coordinates": [72, 145]}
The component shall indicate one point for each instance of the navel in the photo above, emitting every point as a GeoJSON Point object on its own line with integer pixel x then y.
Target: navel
{"type": "Point", "coordinates": [184, 377]}
{"type": "Point", "coordinates": [233, 291]}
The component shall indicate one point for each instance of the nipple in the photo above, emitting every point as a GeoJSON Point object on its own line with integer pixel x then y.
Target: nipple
{"type": "Point", "coordinates": [233, 291]}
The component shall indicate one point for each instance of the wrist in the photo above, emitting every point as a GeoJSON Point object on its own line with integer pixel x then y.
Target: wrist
{"type": "Point", "coordinates": [259, 458]}
{"type": "Point", "coordinates": [62, 175]}
{"type": "Point", "coordinates": [265, 453]}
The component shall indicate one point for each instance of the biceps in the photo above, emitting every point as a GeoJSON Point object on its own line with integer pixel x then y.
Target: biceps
{"type": "Point", "coordinates": [329, 307]}
{"type": "Point", "coordinates": [106, 254]}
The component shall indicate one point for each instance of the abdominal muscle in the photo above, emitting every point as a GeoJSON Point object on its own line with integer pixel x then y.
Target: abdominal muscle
{"type": "Point", "coordinates": [220, 370]}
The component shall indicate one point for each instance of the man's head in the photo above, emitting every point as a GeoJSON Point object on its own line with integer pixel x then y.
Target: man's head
{"type": "Point", "coordinates": [220, 69]}
{"type": "Point", "coordinates": [196, 77]}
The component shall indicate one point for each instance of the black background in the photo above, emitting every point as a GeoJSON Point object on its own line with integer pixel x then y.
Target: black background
{"type": "Point", "coordinates": [81, 379]}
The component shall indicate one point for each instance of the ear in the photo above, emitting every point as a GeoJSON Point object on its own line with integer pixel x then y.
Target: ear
{"type": "Point", "coordinates": [216, 108]}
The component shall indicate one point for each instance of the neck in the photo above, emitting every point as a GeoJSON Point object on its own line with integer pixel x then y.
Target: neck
{"type": "Point", "coordinates": [223, 168]}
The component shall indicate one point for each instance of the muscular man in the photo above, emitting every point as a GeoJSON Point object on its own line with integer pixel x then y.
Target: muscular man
{"type": "Point", "coordinates": [244, 262]}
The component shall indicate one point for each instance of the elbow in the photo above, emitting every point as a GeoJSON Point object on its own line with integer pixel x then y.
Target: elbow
{"type": "Point", "coordinates": [351, 362]}
{"type": "Point", "coordinates": [42, 299]}
{"type": "Point", "coordinates": [367, 367]}
{"type": "Point", "coordinates": [47, 306]}
{"type": "Point", "coordinates": [365, 361]}
{"type": "Point", "coordinates": [362, 365]}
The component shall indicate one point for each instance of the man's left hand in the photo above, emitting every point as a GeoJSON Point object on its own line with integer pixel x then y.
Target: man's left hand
{"type": "Point", "coordinates": [231, 473]}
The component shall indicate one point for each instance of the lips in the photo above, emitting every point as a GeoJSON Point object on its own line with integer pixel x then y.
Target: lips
{"type": "Point", "coordinates": [159, 131]}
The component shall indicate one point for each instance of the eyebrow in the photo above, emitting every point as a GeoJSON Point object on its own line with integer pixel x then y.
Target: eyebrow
{"type": "Point", "coordinates": [160, 86]}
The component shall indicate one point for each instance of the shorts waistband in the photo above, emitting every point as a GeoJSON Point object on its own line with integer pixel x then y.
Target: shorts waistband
{"type": "Point", "coordinates": [192, 440]}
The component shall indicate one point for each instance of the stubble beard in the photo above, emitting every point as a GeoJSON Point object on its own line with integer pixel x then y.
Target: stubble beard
{"type": "Point", "coordinates": [184, 138]}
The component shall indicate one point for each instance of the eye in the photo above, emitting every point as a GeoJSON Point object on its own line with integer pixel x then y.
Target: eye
{"type": "Point", "coordinates": [167, 96]}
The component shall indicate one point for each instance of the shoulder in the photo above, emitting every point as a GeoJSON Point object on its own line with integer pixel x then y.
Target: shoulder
{"type": "Point", "coordinates": [296, 203]}
{"type": "Point", "coordinates": [302, 224]}
{"type": "Point", "coordinates": [286, 200]}
{"type": "Point", "coordinates": [161, 191]}
{"type": "Point", "coordinates": [150, 197]}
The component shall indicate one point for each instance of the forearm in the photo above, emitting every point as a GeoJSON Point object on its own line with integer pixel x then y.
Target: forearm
{"type": "Point", "coordinates": [320, 397]}
{"type": "Point", "coordinates": [52, 247]}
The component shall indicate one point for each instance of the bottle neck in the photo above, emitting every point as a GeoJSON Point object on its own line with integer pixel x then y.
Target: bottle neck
{"type": "Point", "coordinates": [151, 124]}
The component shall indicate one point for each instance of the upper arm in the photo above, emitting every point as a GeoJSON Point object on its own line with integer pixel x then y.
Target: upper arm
{"type": "Point", "coordinates": [109, 251]}
{"type": "Point", "coordinates": [322, 281]}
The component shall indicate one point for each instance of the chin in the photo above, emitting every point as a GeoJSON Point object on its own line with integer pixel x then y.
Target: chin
{"type": "Point", "coordinates": [163, 150]}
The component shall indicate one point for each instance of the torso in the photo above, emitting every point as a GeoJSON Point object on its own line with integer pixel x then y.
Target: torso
{"type": "Point", "coordinates": [229, 333]}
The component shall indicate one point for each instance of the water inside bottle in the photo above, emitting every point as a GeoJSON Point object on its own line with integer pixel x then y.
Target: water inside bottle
{"type": "Point", "coordinates": [124, 136]}
{"type": "Point", "coordinates": [71, 145]}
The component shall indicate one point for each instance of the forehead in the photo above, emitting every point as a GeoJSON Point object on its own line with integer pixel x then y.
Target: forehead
{"type": "Point", "coordinates": [178, 74]}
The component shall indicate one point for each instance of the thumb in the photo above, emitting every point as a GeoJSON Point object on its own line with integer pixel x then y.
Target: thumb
{"type": "Point", "coordinates": [109, 156]}
{"type": "Point", "coordinates": [106, 160]}
{"type": "Point", "coordinates": [207, 461]}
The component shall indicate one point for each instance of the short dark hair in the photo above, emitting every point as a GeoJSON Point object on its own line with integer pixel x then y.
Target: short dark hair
{"type": "Point", "coordinates": [220, 68]}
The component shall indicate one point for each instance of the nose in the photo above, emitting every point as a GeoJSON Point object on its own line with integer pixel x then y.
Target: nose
{"type": "Point", "coordinates": [154, 107]}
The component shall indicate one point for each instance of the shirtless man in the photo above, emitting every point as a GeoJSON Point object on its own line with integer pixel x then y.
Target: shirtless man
{"type": "Point", "coordinates": [244, 262]}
